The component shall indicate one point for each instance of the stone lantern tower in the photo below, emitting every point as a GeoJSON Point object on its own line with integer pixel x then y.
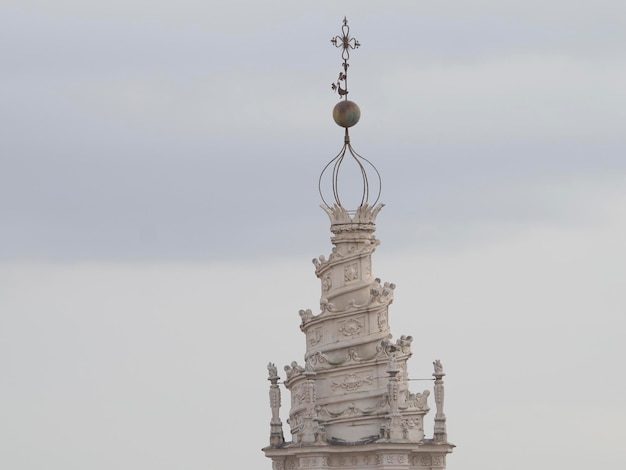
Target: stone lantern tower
{"type": "Point", "coordinates": [351, 407]}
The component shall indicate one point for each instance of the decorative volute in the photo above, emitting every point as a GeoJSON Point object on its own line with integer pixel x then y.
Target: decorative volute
{"type": "Point", "coordinates": [350, 400]}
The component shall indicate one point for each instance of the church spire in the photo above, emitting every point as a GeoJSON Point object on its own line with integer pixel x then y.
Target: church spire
{"type": "Point", "coordinates": [350, 404]}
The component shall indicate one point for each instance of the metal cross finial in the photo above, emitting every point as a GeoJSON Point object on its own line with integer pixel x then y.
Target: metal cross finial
{"type": "Point", "coordinates": [346, 43]}
{"type": "Point", "coordinates": [346, 114]}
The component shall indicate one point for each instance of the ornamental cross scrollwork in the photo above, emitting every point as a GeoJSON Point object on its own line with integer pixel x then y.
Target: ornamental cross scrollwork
{"type": "Point", "coordinates": [345, 42]}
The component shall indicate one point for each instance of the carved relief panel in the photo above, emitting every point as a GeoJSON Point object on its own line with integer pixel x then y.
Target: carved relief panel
{"type": "Point", "coordinates": [430, 461]}
{"type": "Point", "coordinates": [327, 282]}
{"type": "Point", "coordinates": [315, 335]}
{"type": "Point", "coordinates": [314, 462]}
{"type": "Point", "coordinates": [289, 463]}
{"type": "Point", "coordinates": [351, 382]}
{"type": "Point", "coordinates": [351, 327]}
{"type": "Point", "coordinates": [298, 395]}
{"type": "Point", "coordinates": [382, 320]}
{"type": "Point", "coordinates": [351, 272]}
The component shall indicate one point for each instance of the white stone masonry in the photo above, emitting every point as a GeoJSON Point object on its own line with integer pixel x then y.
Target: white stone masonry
{"type": "Point", "coordinates": [350, 402]}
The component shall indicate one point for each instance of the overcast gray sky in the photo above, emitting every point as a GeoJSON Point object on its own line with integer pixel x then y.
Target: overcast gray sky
{"type": "Point", "coordinates": [159, 210]}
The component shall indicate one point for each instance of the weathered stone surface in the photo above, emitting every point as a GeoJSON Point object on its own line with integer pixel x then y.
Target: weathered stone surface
{"type": "Point", "coordinates": [350, 405]}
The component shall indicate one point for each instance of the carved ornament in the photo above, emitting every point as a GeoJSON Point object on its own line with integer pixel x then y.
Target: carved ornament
{"type": "Point", "coordinates": [315, 336]}
{"type": "Point", "coordinates": [351, 272]}
{"type": "Point", "coordinates": [351, 327]}
{"type": "Point", "coordinates": [293, 370]}
{"type": "Point", "coordinates": [352, 382]}
{"type": "Point", "coordinates": [417, 400]}
{"type": "Point", "coordinates": [364, 219]}
{"type": "Point", "coordinates": [352, 409]}
{"type": "Point", "coordinates": [383, 350]}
